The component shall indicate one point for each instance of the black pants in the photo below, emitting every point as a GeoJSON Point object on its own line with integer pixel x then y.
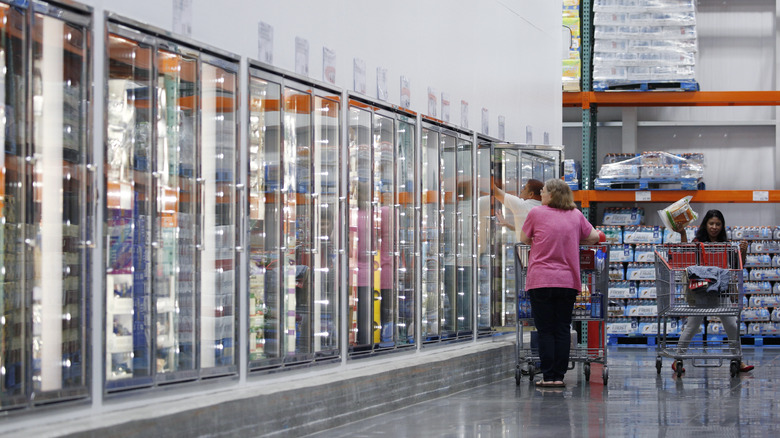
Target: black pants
{"type": "Point", "coordinates": [552, 308]}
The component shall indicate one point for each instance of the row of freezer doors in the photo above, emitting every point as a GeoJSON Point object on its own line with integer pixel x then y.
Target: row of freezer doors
{"type": "Point", "coordinates": [344, 222]}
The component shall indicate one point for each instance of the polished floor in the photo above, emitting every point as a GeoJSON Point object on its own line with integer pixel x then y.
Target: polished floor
{"type": "Point", "coordinates": [636, 402]}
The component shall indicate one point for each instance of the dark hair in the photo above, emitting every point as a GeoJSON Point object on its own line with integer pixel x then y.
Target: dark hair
{"type": "Point", "coordinates": [535, 186]}
{"type": "Point", "coordinates": [701, 233]}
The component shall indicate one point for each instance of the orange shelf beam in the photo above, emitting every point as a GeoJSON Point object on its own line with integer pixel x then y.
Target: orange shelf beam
{"type": "Point", "coordinates": [671, 98]}
{"type": "Point", "coordinates": [585, 197]}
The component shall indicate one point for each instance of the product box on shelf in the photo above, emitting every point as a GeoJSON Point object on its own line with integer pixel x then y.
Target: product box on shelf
{"type": "Point", "coordinates": [571, 174]}
{"type": "Point", "coordinates": [650, 170]}
{"type": "Point", "coordinates": [640, 271]}
{"type": "Point", "coordinates": [764, 246]}
{"type": "Point", "coordinates": [634, 310]}
{"type": "Point", "coordinates": [752, 233]}
{"type": "Point", "coordinates": [771, 274]}
{"type": "Point", "coordinates": [616, 272]}
{"type": "Point", "coordinates": [622, 289]}
{"type": "Point", "coordinates": [764, 301]}
{"type": "Point", "coordinates": [644, 253]}
{"type": "Point", "coordinates": [755, 314]}
{"type": "Point", "coordinates": [621, 253]}
{"type": "Point", "coordinates": [757, 287]}
{"type": "Point", "coordinates": [646, 289]}
{"type": "Point", "coordinates": [571, 45]}
{"type": "Point", "coordinates": [642, 234]}
{"type": "Point", "coordinates": [623, 327]}
{"type": "Point", "coordinates": [623, 216]}
{"type": "Point", "coordinates": [671, 236]}
{"type": "Point", "coordinates": [614, 234]}
{"type": "Point", "coordinates": [651, 328]}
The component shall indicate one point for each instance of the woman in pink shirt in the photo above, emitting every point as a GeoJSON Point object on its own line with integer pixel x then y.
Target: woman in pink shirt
{"type": "Point", "coordinates": [555, 231]}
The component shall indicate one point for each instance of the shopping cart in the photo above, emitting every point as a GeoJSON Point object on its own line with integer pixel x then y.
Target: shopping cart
{"type": "Point", "coordinates": [683, 293]}
{"type": "Point", "coordinates": [589, 314]}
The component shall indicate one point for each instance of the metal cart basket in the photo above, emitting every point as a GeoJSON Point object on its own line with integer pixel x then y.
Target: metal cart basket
{"type": "Point", "coordinates": [698, 280]}
{"type": "Point", "coordinates": [589, 313]}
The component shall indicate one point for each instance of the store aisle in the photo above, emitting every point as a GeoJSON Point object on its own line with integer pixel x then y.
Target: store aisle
{"type": "Point", "coordinates": [636, 402]}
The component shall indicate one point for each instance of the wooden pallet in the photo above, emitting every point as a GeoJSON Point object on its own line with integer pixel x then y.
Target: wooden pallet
{"type": "Point", "coordinates": [649, 184]}
{"type": "Point", "coordinates": [645, 86]}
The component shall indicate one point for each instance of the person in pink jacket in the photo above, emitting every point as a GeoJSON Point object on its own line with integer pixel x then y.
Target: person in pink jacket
{"type": "Point", "coordinates": [555, 231]}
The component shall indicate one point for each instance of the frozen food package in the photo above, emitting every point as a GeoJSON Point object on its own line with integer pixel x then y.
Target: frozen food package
{"type": "Point", "coordinates": [678, 214]}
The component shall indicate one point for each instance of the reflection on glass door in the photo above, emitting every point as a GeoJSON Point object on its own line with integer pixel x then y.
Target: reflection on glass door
{"type": "Point", "coordinates": [264, 221]}
{"type": "Point", "coordinates": [360, 287]}
{"type": "Point", "coordinates": [176, 224]}
{"type": "Point", "coordinates": [217, 199]}
{"type": "Point", "coordinates": [296, 225]}
{"type": "Point", "coordinates": [507, 167]}
{"type": "Point", "coordinates": [407, 231]}
{"type": "Point", "coordinates": [429, 234]}
{"type": "Point", "coordinates": [128, 213]}
{"type": "Point", "coordinates": [382, 227]}
{"type": "Point", "coordinates": [56, 215]}
{"type": "Point", "coordinates": [15, 311]}
{"type": "Point", "coordinates": [449, 229]}
{"type": "Point", "coordinates": [465, 234]}
{"type": "Point", "coordinates": [384, 230]}
{"type": "Point", "coordinates": [485, 236]}
{"type": "Point", "coordinates": [326, 267]}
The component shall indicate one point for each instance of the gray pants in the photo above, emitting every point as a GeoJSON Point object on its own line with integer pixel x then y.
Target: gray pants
{"type": "Point", "coordinates": [694, 323]}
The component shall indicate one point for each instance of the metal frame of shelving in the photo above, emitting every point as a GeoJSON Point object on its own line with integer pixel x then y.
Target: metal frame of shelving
{"type": "Point", "coordinates": [589, 101]}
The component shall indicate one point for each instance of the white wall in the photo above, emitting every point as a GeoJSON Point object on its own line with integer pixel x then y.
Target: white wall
{"type": "Point", "coordinates": [503, 55]}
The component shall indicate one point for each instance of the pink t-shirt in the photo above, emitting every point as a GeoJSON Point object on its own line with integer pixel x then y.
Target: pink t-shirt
{"type": "Point", "coordinates": [555, 255]}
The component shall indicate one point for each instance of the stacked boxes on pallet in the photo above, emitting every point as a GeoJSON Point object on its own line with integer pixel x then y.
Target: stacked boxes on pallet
{"type": "Point", "coordinates": [761, 279]}
{"type": "Point", "coordinates": [632, 307]}
{"type": "Point", "coordinates": [644, 44]}
{"type": "Point", "coordinates": [572, 65]}
{"type": "Point", "coordinates": [651, 170]}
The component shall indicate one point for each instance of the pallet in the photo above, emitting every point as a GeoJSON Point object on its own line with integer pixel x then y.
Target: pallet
{"type": "Point", "coordinates": [649, 184]}
{"type": "Point", "coordinates": [633, 340]}
{"type": "Point", "coordinates": [645, 86]}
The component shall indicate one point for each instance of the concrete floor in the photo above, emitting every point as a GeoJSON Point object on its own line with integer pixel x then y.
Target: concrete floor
{"type": "Point", "coordinates": [636, 402]}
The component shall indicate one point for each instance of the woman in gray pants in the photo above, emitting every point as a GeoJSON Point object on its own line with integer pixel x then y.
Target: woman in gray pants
{"type": "Point", "coordinates": [712, 229]}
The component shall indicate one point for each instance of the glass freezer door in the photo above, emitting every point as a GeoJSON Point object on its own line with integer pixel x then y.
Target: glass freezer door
{"type": "Point", "coordinates": [265, 211]}
{"type": "Point", "coordinates": [465, 234]}
{"type": "Point", "coordinates": [508, 167]}
{"type": "Point", "coordinates": [56, 219]}
{"type": "Point", "coordinates": [128, 213]}
{"type": "Point", "coordinates": [359, 238]}
{"type": "Point", "coordinates": [15, 311]}
{"type": "Point", "coordinates": [449, 238]}
{"type": "Point", "coordinates": [176, 224]}
{"type": "Point", "coordinates": [429, 234]}
{"type": "Point", "coordinates": [327, 171]}
{"type": "Point", "coordinates": [406, 184]}
{"type": "Point", "coordinates": [384, 230]}
{"type": "Point", "coordinates": [296, 225]}
{"type": "Point", "coordinates": [217, 237]}
{"type": "Point", "coordinates": [486, 205]}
